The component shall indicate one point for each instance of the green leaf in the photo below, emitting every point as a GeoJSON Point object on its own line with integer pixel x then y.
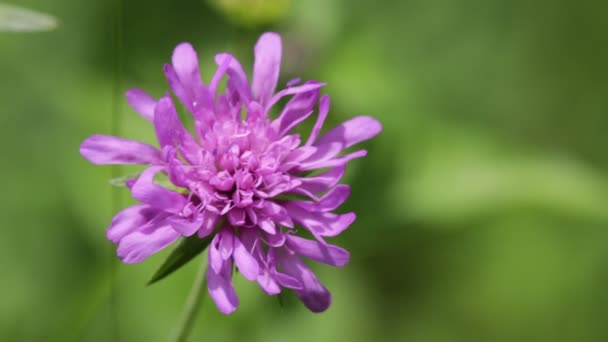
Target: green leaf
{"type": "Point", "coordinates": [187, 249]}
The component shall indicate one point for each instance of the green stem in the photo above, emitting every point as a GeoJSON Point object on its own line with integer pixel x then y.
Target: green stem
{"type": "Point", "coordinates": [116, 169]}
{"type": "Point", "coordinates": [193, 304]}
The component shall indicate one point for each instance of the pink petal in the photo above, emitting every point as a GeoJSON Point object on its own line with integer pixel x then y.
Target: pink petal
{"type": "Point", "coordinates": [288, 281]}
{"type": "Point", "coordinates": [209, 221]}
{"type": "Point", "coordinates": [236, 216]}
{"type": "Point", "coordinates": [322, 223]}
{"type": "Point", "coordinates": [268, 226]}
{"type": "Point", "coordinates": [275, 239]}
{"type": "Point", "coordinates": [148, 192]}
{"type": "Point", "coordinates": [351, 132]}
{"type": "Point", "coordinates": [307, 87]}
{"type": "Point", "coordinates": [185, 226]}
{"type": "Point", "coordinates": [192, 91]}
{"type": "Point", "coordinates": [245, 262]}
{"type": "Point", "coordinates": [171, 132]}
{"type": "Point", "coordinates": [226, 243]}
{"type": "Point", "coordinates": [268, 283]}
{"type": "Point", "coordinates": [104, 149]}
{"type": "Point", "coordinates": [322, 182]}
{"type": "Point", "coordinates": [341, 161]}
{"type": "Point", "coordinates": [129, 220]}
{"type": "Point", "coordinates": [141, 244]}
{"type": "Point", "coordinates": [324, 104]}
{"type": "Point", "coordinates": [266, 67]}
{"type": "Point", "coordinates": [325, 253]}
{"type": "Point", "coordinates": [332, 200]}
{"type": "Point", "coordinates": [216, 261]}
{"type": "Point", "coordinates": [296, 110]}
{"type": "Point", "coordinates": [237, 78]}
{"type": "Point", "coordinates": [219, 73]}
{"type": "Point", "coordinates": [277, 213]}
{"type": "Point", "coordinates": [142, 103]}
{"type": "Point", "coordinates": [221, 289]}
{"type": "Point", "coordinates": [313, 294]}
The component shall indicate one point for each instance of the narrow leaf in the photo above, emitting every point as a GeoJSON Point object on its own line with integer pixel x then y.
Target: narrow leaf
{"type": "Point", "coordinates": [187, 249]}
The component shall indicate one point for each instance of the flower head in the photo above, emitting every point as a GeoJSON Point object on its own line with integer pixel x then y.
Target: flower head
{"type": "Point", "coordinates": [236, 174]}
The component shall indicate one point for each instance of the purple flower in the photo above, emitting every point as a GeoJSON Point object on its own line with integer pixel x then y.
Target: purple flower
{"type": "Point", "coordinates": [236, 175]}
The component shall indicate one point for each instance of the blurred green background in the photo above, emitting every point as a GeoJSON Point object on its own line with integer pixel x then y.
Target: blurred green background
{"type": "Point", "coordinates": [482, 206]}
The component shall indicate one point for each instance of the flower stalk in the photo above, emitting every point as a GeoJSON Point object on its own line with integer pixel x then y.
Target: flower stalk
{"type": "Point", "coordinates": [193, 305]}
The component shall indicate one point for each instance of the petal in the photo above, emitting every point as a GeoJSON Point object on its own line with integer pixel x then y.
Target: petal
{"type": "Point", "coordinates": [313, 294]}
{"type": "Point", "coordinates": [341, 161]}
{"type": "Point", "coordinates": [268, 283]}
{"type": "Point", "coordinates": [148, 192]}
{"type": "Point", "coordinates": [185, 63]}
{"type": "Point", "coordinates": [325, 253]}
{"type": "Point", "coordinates": [266, 67]}
{"type": "Point", "coordinates": [324, 104]}
{"type": "Point", "coordinates": [283, 187]}
{"type": "Point", "coordinates": [293, 82]}
{"type": "Point", "coordinates": [267, 226]}
{"type": "Point", "coordinates": [129, 220]}
{"type": "Point", "coordinates": [209, 221]}
{"type": "Point", "coordinates": [323, 153]}
{"type": "Point", "coordinates": [307, 87]}
{"type": "Point", "coordinates": [332, 200]}
{"type": "Point", "coordinates": [219, 73]}
{"type": "Point", "coordinates": [296, 110]}
{"type": "Point", "coordinates": [249, 238]}
{"type": "Point", "coordinates": [190, 88]}
{"type": "Point", "coordinates": [183, 94]}
{"type": "Point", "coordinates": [237, 79]}
{"type": "Point", "coordinates": [185, 226]}
{"type": "Point", "coordinates": [245, 262]}
{"type": "Point", "coordinates": [322, 182]}
{"type": "Point", "coordinates": [299, 154]}
{"type": "Point", "coordinates": [226, 246]}
{"type": "Point", "coordinates": [139, 245]}
{"type": "Point", "coordinates": [221, 289]}
{"type": "Point", "coordinates": [295, 157]}
{"type": "Point", "coordinates": [216, 262]}
{"type": "Point", "coordinates": [288, 281]}
{"type": "Point", "coordinates": [104, 149]}
{"type": "Point", "coordinates": [236, 216]}
{"type": "Point", "coordinates": [171, 132]}
{"type": "Point", "coordinates": [176, 169]}
{"type": "Point", "coordinates": [351, 132]}
{"type": "Point", "coordinates": [142, 103]}
{"type": "Point", "coordinates": [320, 224]}
{"type": "Point", "coordinates": [276, 239]}
{"type": "Point", "coordinates": [277, 213]}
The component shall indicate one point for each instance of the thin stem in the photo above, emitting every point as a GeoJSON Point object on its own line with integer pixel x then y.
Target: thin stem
{"type": "Point", "coordinates": [193, 304]}
{"type": "Point", "coordinates": [116, 169]}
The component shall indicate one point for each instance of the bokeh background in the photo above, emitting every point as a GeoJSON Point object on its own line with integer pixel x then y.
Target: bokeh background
{"type": "Point", "coordinates": [482, 206]}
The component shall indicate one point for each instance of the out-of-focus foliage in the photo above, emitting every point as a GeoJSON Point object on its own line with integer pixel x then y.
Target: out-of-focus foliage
{"type": "Point", "coordinates": [251, 13]}
{"type": "Point", "coordinates": [17, 19]}
{"type": "Point", "coordinates": [482, 207]}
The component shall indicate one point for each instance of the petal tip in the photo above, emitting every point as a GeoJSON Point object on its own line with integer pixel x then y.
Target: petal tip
{"type": "Point", "coordinates": [183, 48]}
{"type": "Point", "coordinates": [270, 38]}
